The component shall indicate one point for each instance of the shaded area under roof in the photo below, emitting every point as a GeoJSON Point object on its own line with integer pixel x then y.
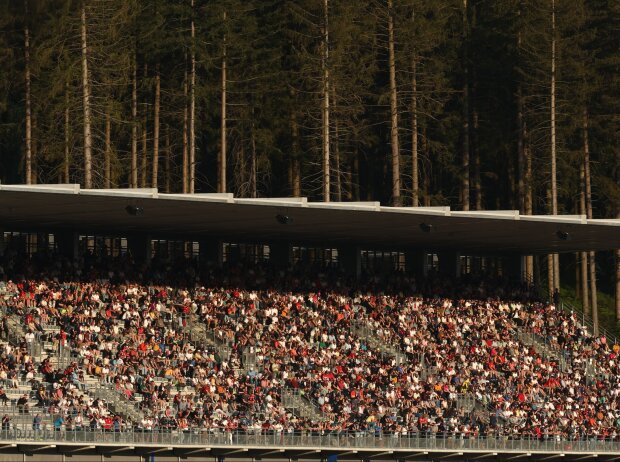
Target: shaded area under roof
{"type": "Point", "coordinates": [58, 207]}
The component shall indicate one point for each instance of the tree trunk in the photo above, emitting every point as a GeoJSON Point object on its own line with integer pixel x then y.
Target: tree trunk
{"type": "Point", "coordinates": [593, 290]}
{"type": "Point", "coordinates": [588, 191]}
{"type": "Point", "coordinates": [107, 152]}
{"type": "Point", "coordinates": [296, 178]}
{"type": "Point", "coordinates": [554, 188]}
{"type": "Point", "coordinates": [520, 128]}
{"type": "Point", "coordinates": [221, 178]}
{"type": "Point", "coordinates": [28, 159]}
{"type": "Point", "coordinates": [550, 260]}
{"type": "Point", "coordinates": [185, 166]}
{"type": "Point", "coordinates": [154, 182]}
{"type": "Point", "coordinates": [88, 142]}
{"type": "Point", "coordinates": [415, 178]}
{"type": "Point", "coordinates": [192, 111]}
{"type": "Point", "coordinates": [34, 176]}
{"type": "Point", "coordinates": [337, 161]}
{"type": "Point", "coordinates": [67, 136]}
{"type": "Point", "coordinates": [253, 168]}
{"type": "Point", "coordinates": [476, 149]}
{"type": "Point", "coordinates": [336, 141]}
{"type": "Point", "coordinates": [617, 280]}
{"type": "Point", "coordinates": [465, 115]}
{"type": "Point", "coordinates": [475, 142]}
{"type": "Point", "coordinates": [550, 274]}
{"type": "Point", "coordinates": [583, 256]}
{"type": "Point", "coordinates": [554, 275]}
{"type": "Point", "coordinates": [396, 199]}
{"type": "Point", "coordinates": [326, 108]}
{"type": "Point", "coordinates": [167, 162]}
{"type": "Point", "coordinates": [577, 276]}
{"type": "Point", "coordinates": [242, 183]}
{"type": "Point", "coordinates": [144, 166]}
{"type": "Point", "coordinates": [134, 124]}
{"type": "Point", "coordinates": [528, 205]}
{"type": "Point", "coordinates": [426, 178]}
{"type": "Point", "coordinates": [295, 182]}
{"type": "Point", "coordinates": [520, 152]}
{"type": "Point", "coordinates": [355, 189]}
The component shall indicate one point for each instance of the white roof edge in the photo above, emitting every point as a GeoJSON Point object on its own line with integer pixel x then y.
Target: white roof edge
{"type": "Point", "coordinates": [294, 200]}
{"type": "Point", "coordinates": [272, 202]}
{"type": "Point", "coordinates": [444, 208]}
{"type": "Point", "coordinates": [150, 193]}
{"type": "Point", "coordinates": [369, 206]}
{"type": "Point", "coordinates": [126, 190]}
{"type": "Point", "coordinates": [205, 197]}
{"type": "Point", "coordinates": [71, 188]}
{"type": "Point", "coordinates": [435, 211]}
{"type": "Point", "coordinates": [578, 219]}
{"type": "Point", "coordinates": [500, 214]}
{"type": "Point", "coordinates": [604, 221]}
{"type": "Point", "coordinates": [492, 212]}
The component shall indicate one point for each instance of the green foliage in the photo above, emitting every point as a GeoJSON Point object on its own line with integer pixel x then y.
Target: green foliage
{"type": "Point", "coordinates": [274, 65]}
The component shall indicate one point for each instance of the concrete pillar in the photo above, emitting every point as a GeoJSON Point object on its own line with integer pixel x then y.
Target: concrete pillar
{"type": "Point", "coordinates": [350, 260]}
{"type": "Point", "coordinates": [450, 264]}
{"type": "Point", "coordinates": [415, 263]}
{"type": "Point", "coordinates": [140, 247]}
{"type": "Point", "coordinates": [42, 242]}
{"type": "Point", "coordinates": [280, 254]}
{"type": "Point", "coordinates": [210, 252]}
{"type": "Point", "coordinates": [2, 243]}
{"type": "Point", "coordinates": [514, 267]}
{"type": "Point", "coordinates": [68, 244]}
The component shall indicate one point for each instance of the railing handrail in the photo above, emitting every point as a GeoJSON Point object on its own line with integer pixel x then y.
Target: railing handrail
{"type": "Point", "coordinates": [587, 322]}
{"type": "Point", "coordinates": [369, 440]}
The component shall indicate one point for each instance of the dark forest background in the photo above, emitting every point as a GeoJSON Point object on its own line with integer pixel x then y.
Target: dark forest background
{"type": "Point", "coordinates": [475, 104]}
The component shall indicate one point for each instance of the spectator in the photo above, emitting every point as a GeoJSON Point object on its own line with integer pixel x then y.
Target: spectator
{"type": "Point", "coordinates": [36, 422]}
{"type": "Point", "coordinates": [3, 397]}
{"type": "Point", "coordinates": [6, 423]}
{"type": "Point", "coordinates": [58, 423]}
{"type": "Point", "coordinates": [22, 404]}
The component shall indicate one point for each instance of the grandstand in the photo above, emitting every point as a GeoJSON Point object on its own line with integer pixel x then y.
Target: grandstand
{"type": "Point", "coordinates": [146, 326]}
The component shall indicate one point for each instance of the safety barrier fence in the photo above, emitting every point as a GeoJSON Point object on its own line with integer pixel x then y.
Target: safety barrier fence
{"type": "Point", "coordinates": [354, 440]}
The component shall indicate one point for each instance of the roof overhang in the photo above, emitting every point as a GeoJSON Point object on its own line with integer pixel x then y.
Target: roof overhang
{"type": "Point", "coordinates": [222, 216]}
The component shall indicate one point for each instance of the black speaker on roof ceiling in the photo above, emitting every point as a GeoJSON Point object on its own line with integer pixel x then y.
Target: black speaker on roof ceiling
{"type": "Point", "coordinates": [427, 228]}
{"type": "Point", "coordinates": [134, 210]}
{"type": "Point", "coordinates": [284, 219]}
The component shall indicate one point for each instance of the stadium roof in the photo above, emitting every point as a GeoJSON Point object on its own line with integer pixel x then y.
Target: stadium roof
{"type": "Point", "coordinates": [67, 206]}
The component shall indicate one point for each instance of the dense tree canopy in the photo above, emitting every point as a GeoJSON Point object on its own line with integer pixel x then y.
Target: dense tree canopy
{"type": "Point", "coordinates": [469, 103]}
{"type": "Point", "coordinates": [471, 77]}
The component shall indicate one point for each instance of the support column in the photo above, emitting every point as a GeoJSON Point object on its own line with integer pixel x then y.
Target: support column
{"type": "Point", "coordinates": [415, 262]}
{"type": "Point", "coordinates": [42, 242]}
{"type": "Point", "coordinates": [514, 267]}
{"type": "Point", "coordinates": [280, 254]}
{"type": "Point", "coordinates": [210, 252]}
{"type": "Point", "coordinates": [2, 243]}
{"type": "Point", "coordinates": [350, 260]}
{"type": "Point", "coordinates": [450, 264]}
{"type": "Point", "coordinates": [68, 244]}
{"type": "Point", "coordinates": [140, 248]}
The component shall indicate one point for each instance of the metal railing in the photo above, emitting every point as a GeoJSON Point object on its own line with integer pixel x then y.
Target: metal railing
{"type": "Point", "coordinates": [369, 440]}
{"type": "Point", "coordinates": [116, 400]}
{"type": "Point", "coordinates": [364, 331]}
{"type": "Point", "coordinates": [302, 405]}
{"type": "Point", "coordinates": [586, 321]}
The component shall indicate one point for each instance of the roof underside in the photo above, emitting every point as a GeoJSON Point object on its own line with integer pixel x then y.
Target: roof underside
{"type": "Point", "coordinates": [58, 207]}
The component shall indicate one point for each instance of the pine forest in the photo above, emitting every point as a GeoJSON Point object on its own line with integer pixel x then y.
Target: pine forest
{"type": "Point", "coordinates": [475, 104]}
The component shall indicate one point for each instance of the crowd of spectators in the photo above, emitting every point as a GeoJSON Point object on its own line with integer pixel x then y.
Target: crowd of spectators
{"type": "Point", "coordinates": [220, 347]}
